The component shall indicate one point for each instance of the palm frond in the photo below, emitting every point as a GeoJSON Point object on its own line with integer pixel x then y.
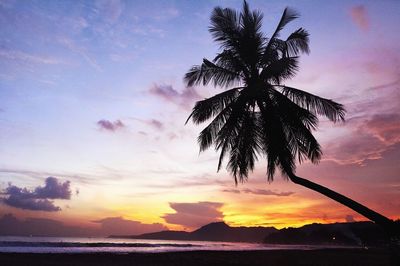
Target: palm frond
{"type": "Point", "coordinates": [226, 137]}
{"type": "Point", "coordinates": [246, 145]}
{"type": "Point", "coordinates": [209, 134]}
{"type": "Point", "coordinates": [287, 16]}
{"type": "Point", "coordinates": [297, 124]}
{"type": "Point", "coordinates": [325, 107]}
{"type": "Point", "coordinates": [297, 42]}
{"type": "Point", "coordinates": [209, 71]}
{"type": "Point", "coordinates": [225, 27]}
{"type": "Point", "coordinates": [207, 108]}
{"type": "Point", "coordinates": [283, 68]}
{"type": "Point", "coordinates": [230, 60]}
{"type": "Point", "coordinates": [274, 143]}
{"type": "Point", "coordinates": [250, 22]}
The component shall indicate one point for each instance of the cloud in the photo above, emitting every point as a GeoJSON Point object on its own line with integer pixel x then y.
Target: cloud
{"type": "Point", "coordinates": [82, 51]}
{"type": "Point", "coordinates": [236, 191]}
{"type": "Point", "coordinates": [109, 125]}
{"type": "Point", "coordinates": [267, 192]}
{"type": "Point", "coordinates": [264, 192]}
{"type": "Point", "coordinates": [157, 124]}
{"type": "Point", "coordinates": [369, 138]}
{"type": "Point", "coordinates": [148, 30]}
{"type": "Point", "coordinates": [166, 13]}
{"type": "Point", "coordinates": [54, 189]}
{"type": "Point", "coordinates": [110, 10]}
{"type": "Point", "coordinates": [19, 56]}
{"type": "Point", "coordinates": [385, 127]}
{"type": "Point", "coordinates": [184, 99]}
{"type": "Point", "coordinates": [37, 199]}
{"type": "Point", "coordinates": [10, 225]}
{"type": "Point", "coordinates": [194, 215]}
{"type": "Point", "coordinates": [349, 219]}
{"type": "Point", "coordinates": [360, 17]}
{"type": "Point", "coordinates": [121, 226]}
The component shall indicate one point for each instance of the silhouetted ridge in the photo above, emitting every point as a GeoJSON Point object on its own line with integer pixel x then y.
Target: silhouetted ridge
{"type": "Point", "coordinates": [218, 231]}
{"type": "Point", "coordinates": [357, 233]}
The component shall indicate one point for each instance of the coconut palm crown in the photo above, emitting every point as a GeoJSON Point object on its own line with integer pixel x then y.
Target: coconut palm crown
{"type": "Point", "coordinates": [258, 115]}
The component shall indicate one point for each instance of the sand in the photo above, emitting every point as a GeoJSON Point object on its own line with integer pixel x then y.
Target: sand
{"type": "Point", "coordinates": [195, 258]}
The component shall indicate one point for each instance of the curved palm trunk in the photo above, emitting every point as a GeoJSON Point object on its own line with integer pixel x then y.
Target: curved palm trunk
{"type": "Point", "coordinates": [379, 219]}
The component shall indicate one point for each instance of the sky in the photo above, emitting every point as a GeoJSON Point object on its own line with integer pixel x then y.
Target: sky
{"type": "Point", "coordinates": [93, 109]}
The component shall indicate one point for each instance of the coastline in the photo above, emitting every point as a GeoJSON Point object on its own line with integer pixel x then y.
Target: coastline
{"type": "Point", "coordinates": [321, 257]}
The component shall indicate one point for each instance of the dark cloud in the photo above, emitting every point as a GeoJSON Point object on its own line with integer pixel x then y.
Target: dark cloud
{"type": "Point", "coordinates": [264, 192]}
{"type": "Point", "coordinates": [156, 124]}
{"type": "Point", "coordinates": [359, 16]}
{"type": "Point", "coordinates": [184, 99]}
{"type": "Point", "coordinates": [10, 225]}
{"type": "Point", "coordinates": [54, 189]}
{"type": "Point", "coordinates": [37, 199]}
{"type": "Point", "coordinates": [267, 192]}
{"type": "Point", "coordinates": [194, 215]}
{"type": "Point", "coordinates": [121, 226]}
{"type": "Point", "coordinates": [22, 200]}
{"type": "Point", "coordinates": [236, 191]}
{"type": "Point", "coordinates": [349, 219]}
{"type": "Point", "coordinates": [109, 125]}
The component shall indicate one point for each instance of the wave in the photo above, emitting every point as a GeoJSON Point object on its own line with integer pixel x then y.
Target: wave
{"type": "Point", "coordinates": [99, 244]}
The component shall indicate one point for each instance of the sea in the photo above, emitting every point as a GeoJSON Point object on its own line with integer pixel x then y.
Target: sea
{"type": "Point", "coordinates": [116, 245]}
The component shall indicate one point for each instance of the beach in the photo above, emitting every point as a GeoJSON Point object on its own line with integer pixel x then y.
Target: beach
{"type": "Point", "coordinates": [199, 258]}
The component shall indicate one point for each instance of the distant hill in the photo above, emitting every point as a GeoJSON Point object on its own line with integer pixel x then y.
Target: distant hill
{"type": "Point", "coordinates": [218, 231]}
{"type": "Point", "coordinates": [356, 233]}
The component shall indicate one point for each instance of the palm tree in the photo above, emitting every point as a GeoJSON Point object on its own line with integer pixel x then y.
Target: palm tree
{"type": "Point", "coordinates": [258, 115]}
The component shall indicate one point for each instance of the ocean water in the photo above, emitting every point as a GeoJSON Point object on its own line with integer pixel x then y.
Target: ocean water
{"type": "Point", "coordinates": [116, 245]}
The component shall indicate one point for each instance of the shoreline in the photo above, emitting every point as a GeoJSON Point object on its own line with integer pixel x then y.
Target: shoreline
{"type": "Point", "coordinates": [328, 257]}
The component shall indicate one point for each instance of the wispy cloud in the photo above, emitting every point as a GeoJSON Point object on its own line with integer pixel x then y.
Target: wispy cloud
{"type": "Point", "coordinates": [109, 125]}
{"type": "Point", "coordinates": [194, 215]}
{"type": "Point", "coordinates": [154, 123]}
{"type": "Point", "coordinates": [263, 192]}
{"type": "Point", "coordinates": [110, 10]}
{"type": "Point", "coordinates": [121, 226]}
{"type": "Point", "coordinates": [166, 13]}
{"type": "Point", "coordinates": [73, 47]}
{"type": "Point", "coordinates": [184, 99]}
{"type": "Point", "coordinates": [359, 16]}
{"type": "Point", "coordinates": [369, 137]}
{"type": "Point", "coordinates": [15, 55]}
{"type": "Point", "coordinates": [38, 199]}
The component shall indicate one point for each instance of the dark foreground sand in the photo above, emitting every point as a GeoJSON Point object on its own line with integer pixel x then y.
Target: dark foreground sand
{"type": "Point", "coordinates": [195, 258]}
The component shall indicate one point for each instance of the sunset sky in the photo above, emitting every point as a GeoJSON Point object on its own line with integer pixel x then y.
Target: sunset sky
{"type": "Point", "coordinates": [92, 96]}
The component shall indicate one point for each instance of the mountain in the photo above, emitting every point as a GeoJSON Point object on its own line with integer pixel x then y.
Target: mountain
{"type": "Point", "coordinates": [356, 233]}
{"type": "Point", "coordinates": [218, 231]}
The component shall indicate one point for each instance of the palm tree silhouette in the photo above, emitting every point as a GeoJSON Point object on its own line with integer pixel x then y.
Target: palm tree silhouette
{"type": "Point", "coordinates": [260, 116]}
